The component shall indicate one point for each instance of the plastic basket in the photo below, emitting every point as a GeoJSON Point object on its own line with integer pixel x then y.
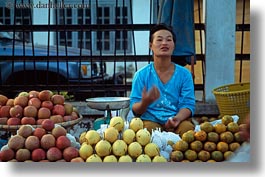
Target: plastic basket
{"type": "Point", "coordinates": [233, 99]}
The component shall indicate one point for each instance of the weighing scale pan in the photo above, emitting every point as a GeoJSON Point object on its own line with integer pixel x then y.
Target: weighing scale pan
{"type": "Point", "coordinates": [108, 103]}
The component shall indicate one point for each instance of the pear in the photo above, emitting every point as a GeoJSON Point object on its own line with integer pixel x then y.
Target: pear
{"type": "Point", "coordinates": [111, 134]}
{"type": "Point", "coordinates": [143, 137]}
{"type": "Point", "coordinates": [159, 158]}
{"type": "Point", "coordinates": [110, 158]}
{"type": "Point", "coordinates": [151, 149]}
{"type": "Point", "coordinates": [103, 148]}
{"type": "Point", "coordinates": [128, 136]}
{"type": "Point", "coordinates": [92, 137]}
{"type": "Point", "coordinates": [85, 151]}
{"type": "Point", "coordinates": [119, 148]}
{"type": "Point", "coordinates": [143, 158]}
{"type": "Point", "coordinates": [82, 137]}
{"type": "Point", "coordinates": [117, 122]}
{"type": "Point", "coordinates": [94, 158]}
{"type": "Point", "coordinates": [135, 149]}
{"type": "Point", "coordinates": [136, 124]}
{"type": "Point", "coordinates": [125, 158]}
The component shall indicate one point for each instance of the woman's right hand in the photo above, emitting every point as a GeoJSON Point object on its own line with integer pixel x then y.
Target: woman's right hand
{"type": "Point", "coordinates": [151, 96]}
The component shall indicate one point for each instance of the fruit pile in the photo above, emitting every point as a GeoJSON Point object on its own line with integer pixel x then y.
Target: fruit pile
{"type": "Point", "coordinates": [34, 107]}
{"type": "Point", "coordinates": [117, 144]}
{"type": "Point", "coordinates": [212, 143]}
{"type": "Point", "coordinates": [48, 143]}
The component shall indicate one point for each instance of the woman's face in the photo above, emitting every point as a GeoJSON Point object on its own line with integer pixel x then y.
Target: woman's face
{"type": "Point", "coordinates": [162, 44]}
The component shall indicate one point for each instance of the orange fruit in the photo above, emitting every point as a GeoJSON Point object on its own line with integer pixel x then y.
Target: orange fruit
{"type": "Point", "coordinates": [222, 146]}
{"type": "Point", "coordinates": [220, 128]}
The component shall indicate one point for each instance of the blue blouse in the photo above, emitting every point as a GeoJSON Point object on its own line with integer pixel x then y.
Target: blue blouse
{"type": "Point", "coordinates": [176, 94]}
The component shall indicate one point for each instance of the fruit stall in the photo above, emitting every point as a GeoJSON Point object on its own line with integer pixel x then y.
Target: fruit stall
{"type": "Point", "coordinates": [41, 126]}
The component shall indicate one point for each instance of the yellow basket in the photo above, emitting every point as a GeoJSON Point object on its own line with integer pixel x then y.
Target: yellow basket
{"type": "Point", "coordinates": [233, 99]}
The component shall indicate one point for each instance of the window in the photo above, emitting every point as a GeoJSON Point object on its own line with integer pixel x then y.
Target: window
{"type": "Point", "coordinates": [97, 12]}
{"type": "Point", "coordinates": [65, 18]}
{"type": "Point", "coordinates": [84, 38]}
{"type": "Point", "coordinates": [5, 16]}
{"type": "Point", "coordinates": [18, 16]}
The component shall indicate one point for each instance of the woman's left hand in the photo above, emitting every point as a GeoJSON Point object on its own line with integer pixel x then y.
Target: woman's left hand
{"type": "Point", "coordinates": [172, 123]}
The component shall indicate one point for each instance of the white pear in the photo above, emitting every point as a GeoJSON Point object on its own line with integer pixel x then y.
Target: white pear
{"type": "Point", "coordinates": [136, 124]}
{"type": "Point", "coordinates": [92, 137]}
{"type": "Point", "coordinates": [110, 158]}
{"type": "Point", "coordinates": [159, 158]}
{"type": "Point", "coordinates": [103, 148]}
{"type": "Point", "coordinates": [143, 158]}
{"type": "Point", "coordinates": [128, 136]}
{"type": "Point", "coordinates": [151, 149]}
{"type": "Point", "coordinates": [111, 134]}
{"type": "Point", "coordinates": [119, 148]}
{"type": "Point", "coordinates": [135, 149]}
{"type": "Point", "coordinates": [117, 122]}
{"type": "Point", "coordinates": [82, 137]}
{"type": "Point", "coordinates": [94, 158]}
{"type": "Point", "coordinates": [125, 158]}
{"type": "Point", "coordinates": [85, 150]}
{"type": "Point", "coordinates": [143, 137]}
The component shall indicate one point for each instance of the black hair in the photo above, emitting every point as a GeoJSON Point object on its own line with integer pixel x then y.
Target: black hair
{"type": "Point", "coordinates": [161, 26]}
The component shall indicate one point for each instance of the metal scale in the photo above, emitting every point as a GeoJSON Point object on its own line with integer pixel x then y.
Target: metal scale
{"type": "Point", "coordinates": [109, 104]}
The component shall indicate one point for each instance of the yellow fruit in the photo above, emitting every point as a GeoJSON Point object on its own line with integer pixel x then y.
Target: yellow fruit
{"type": "Point", "coordinates": [143, 158]}
{"type": "Point", "coordinates": [233, 127]}
{"type": "Point", "coordinates": [159, 158]}
{"type": "Point", "coordinates": [220, 128]}
{"type": "Point", "coordinates": [204, 155]}
{"type": "Point", "coordinates": [190, 155]}
{"type": "Point", "coordinates": [92, 137]}
{"type": "Point", "coordinates": [185, 160]}
{"type": "Point", "coordinates": [222, 146]}
{"type": "Point", "coordinates": [217, 156]}
{"type": "Point", "coordinates": [135, 149]}
{"type": "Point", "coordinates": [125, 158]}
{"type": "Point", "coordinates": [180, 145]}
{"type": "Point", "coordinates": [226, 119]}
{"type": "Point", "coordinates": [196, 145]}
{"type": "Point", "coordinates": [209, 146]}
{"type": "Point", "coordinates": [136, 124]}
{"type": "Point", "coordinates": [169, 142]}
{"type": "Point", "coordinates": [110, 158]}
{"type": "Point", "coordinates": [234, 146]}
{"type": "Point", "coordinates": [188, 137]}
{"type": "Point", "coordinates": [143, 136]}
{"type": "Point", "coordinates": [103, 148]}
{"type": "Point", "coordinates": [119, 148]}
{"type": "Point", "coordinates": [213, 137]}
{"type": "Point", "coordinates": [228, 155]}
{"type": "Point", "coordinates": [82, 138]}
{"type": "Point", "coordinates": [204, 119]}
{"type": "Point", "coordinates": [94, 158]}
{"type": "Point", "coordinates": [117, 122]}
{"type": "Point", "coordinates": [238, 137]}
{"type": "Point", "coordinates": [207, 127]}
{"type": "Point", "coordinates": [212, 119]}
{"type": "Point", "coordinates": [200, 135]}
{"type": "Point", "coordinates": [151, 149]}
{"type": "Point", "coordinates": [85, 151]}
{"type": "Point", "coordinates": [111, 134]}
{"type": "Point", "coordinates": [176, 156]}
{"type": "Point", "coordinates": [227, 137]}
{"type": "Point", "coordinates": [128, 136]}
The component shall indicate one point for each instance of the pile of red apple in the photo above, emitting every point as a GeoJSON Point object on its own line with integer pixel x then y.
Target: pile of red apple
{"type": "Point", "coordinates": [34, 107]}
{"type": "Point", "coordinates": [48, 143]}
